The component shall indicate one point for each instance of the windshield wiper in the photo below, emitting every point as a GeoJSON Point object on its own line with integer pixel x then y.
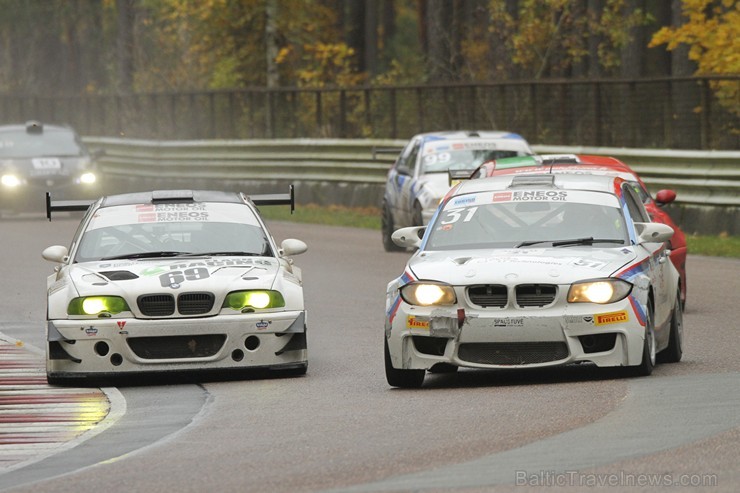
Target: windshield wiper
{"type": "Point", "coordinates": [225, 254]}
{"type": "Point", "coordinates": [146, 255]}
{"type": "Point", "coordinates": [586, 241]}
{"type": "Point", "coordinates": [531, 242]}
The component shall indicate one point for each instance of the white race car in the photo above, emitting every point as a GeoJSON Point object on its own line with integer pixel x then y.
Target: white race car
{"type": "Point", "coordinates": [173, 281]}
{"type": "Point", "coordinates": [420, 176]}
{"type": "Point", "coordinates": [534, 271]}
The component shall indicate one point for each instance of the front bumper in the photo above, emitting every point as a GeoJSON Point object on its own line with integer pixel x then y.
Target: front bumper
{"type": "Point", "coordinates": [421, 337]}
{"type": "Point", "coordinates": [123, 346]}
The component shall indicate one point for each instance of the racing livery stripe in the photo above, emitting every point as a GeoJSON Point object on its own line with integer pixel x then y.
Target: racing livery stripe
{"type": "Point", "coordinates": [637, 308]}
{"type": "Point", "coordinates": [406, 278]}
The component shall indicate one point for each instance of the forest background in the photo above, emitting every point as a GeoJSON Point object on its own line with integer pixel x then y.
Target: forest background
{"type": "Point", "coordinates": [73, 47]}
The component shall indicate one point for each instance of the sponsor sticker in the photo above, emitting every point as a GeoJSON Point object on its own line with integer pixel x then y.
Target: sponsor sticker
{"type": "Point", "coordinates": [611, 318]}
{"type": "Point", "coordinates": [91, 331]}
{"type": "Point", "coordinates": [502, 196]}
{"type": "Point", "coordinates": [262, 324]}
{"type": "Point", "coordinates": [414, 323]}
{"type": "Point", "coordinates": [508, 322]}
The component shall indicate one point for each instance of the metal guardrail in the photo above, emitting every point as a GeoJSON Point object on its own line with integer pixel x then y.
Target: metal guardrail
{"type": "Point", "coordinates": [699, 177]}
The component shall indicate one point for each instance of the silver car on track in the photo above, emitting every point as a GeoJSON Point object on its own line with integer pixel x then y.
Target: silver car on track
{"type": "Point", "coordinates": [173, 281]}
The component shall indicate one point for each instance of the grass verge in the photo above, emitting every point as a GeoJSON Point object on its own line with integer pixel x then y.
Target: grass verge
{"type": "Point", "coordinates": [369, 218]}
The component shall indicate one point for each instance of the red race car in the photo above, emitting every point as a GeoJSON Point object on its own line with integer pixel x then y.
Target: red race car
{"type": "Point", "coordinates": [598, 165]}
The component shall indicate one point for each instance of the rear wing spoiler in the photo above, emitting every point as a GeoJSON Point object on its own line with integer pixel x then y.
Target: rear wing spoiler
{"type": "Point", "coordinates": [276, 199]}
{"type": "Point", "coordinates": [65, 205]}
{"type": "Point", "coordinates": [83, 205]}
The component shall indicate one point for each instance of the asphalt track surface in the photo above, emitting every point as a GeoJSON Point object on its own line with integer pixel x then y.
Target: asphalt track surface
{"type": "Point", "coordinates": [341, 428]}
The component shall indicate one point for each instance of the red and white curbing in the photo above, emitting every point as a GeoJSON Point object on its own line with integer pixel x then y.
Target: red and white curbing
{"type": "Point", "coordinates": [38, 420]}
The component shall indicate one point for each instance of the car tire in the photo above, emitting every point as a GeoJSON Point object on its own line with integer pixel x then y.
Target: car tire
{"type": "Point", "coordinates": [674, 351]}
{"type": "Point", "coordinates": [407, 379]}
{"type": "Point", "coordinates": [387, 227]}
{"type": "Point", "coordinates": [418, 219]}
{"type": "Point", "coordinates": [648, 348]}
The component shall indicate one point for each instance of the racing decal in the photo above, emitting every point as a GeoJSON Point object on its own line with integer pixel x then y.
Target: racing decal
{"type": "Point", "coordinates": [460, 201]}
{"type": "Point", "coordinates": [579, 319]}
{"type": "Point", "coordinates": [91, 331]}
{"type": "Point", "coordinates": [263, 324]}
{"type": "Point", "coordinates": [611, 318]}
{"type": "Point", "coordinates": [121, 324]}
{"type": "Point", "coordinates": [508, 322]}
{"type": "Point", "coordinates": [175, 278]}
{"type": "Point", "coordinates": [454, 215]}
{"type": "Point", "coordinates": [171, 212]}
{"type": "Point", "coordinates": [414, 323]}
{"type": "Point", "coordinates": [638, 310]}
{"type": "Point", "coordinates": [406, 278]}
{"type": "Point", "coordinates": [594, 264]}
{"type": "Point", "coordinates": [502, 196]}
{"type": "Point", "coordinates": [539, 195]}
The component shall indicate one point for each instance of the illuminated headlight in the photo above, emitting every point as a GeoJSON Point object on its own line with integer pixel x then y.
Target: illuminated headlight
{"type": "Point", "coordinates": [600, 291]}
{"type": "Point", "coordinates": [428, 293]}
{"type": "Point", "coordinates": [88, 178]}
{"type": "Point", "coordinates": [244, 300]}
{"type": "Point", "coordinates": [10, 181]}
{"type": "Point", "coordinates": [96, 305]}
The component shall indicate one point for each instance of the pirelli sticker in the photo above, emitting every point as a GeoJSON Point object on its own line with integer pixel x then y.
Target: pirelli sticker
{"type": "Point", "coordinates": [414, 323]}
{"type": "Point", "coordinates": [611, 318]}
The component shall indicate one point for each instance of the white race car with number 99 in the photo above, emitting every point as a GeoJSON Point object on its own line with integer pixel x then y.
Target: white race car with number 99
{"type": "Point", "coordinates": [534, 271]}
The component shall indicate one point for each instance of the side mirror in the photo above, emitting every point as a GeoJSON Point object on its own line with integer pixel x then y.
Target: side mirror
{"type": "Point", "coordinates": [408, 237]}
{"type": "Point", "coordinates": [653, 232]}
{"type": "Point", "coordinates": [665, 197]}
{"type": "Point", "coordinates": [293, 247]}
{"type": "Point", "coordinates": [56, 253]}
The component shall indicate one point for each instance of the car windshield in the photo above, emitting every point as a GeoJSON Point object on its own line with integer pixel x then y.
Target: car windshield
{"type": "Point", "coordinates": [49, 143]}
{"type": "Point", "coordinates": [172, 230]}
{"type": "Point", "coordinates": [439, 156]}
{"type": "Point", "coordinates": [521, 218]}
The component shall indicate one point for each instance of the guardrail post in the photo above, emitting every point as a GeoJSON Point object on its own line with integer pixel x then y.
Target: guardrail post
{"type": "Point", "coordinates": [705, 113]}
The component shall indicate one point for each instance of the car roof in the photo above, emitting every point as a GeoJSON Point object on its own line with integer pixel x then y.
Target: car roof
{"type": "Point", "coordinates": [561, 161]}
{"type": "Point", "coordinates": [35, 128]}
{"type": "Point", "coordinates": [597, 183]}
{"type": "Point", "coordinates": [172, 197]}
{"type": "Point", "coordinates": [469, 134]}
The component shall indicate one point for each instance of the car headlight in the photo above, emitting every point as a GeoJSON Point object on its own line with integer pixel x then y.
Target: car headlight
{"type": "Point", "coordinates": [10, 181]}
{"type": "Point", "coordinates": [244, 300]}
{"type": "Point", "coordinates": [428, 293]}
{"type": "Point", "coordinates": [600, 291]}
{"type": "Point", "coordinates": [96, 305]}
{"type": "Point", "coordinates": [88, 178]}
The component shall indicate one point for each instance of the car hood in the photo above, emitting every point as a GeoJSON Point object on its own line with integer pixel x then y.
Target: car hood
{"type": "Point", "coordinates": [563, 265]}
{"type": "Point", "coordinates": [45, 166]}
{"type": "Point", "coordinates": [206, 274]}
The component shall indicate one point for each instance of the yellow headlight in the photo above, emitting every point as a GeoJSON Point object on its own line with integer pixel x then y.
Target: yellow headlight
{"type": "Point", "coordinates": [599, 291]}
{"type": "Point", "coordinates": [428, 293]}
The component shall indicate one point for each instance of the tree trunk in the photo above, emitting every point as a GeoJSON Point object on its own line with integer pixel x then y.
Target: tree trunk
{"type": "Point", "coordinates": [371, 37]}
{"type": "Point", "coordinates": [271, 43]}
{"type": "Point", "coordinates": [125, 45]}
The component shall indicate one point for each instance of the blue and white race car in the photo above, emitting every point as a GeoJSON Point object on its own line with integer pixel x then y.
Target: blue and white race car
{"type": "Point", "coordinates": [173, 281]}
{"type": "Point", "coordinates": [534, 271]}
{"type": "Point", "coordinates": [419, 178]}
